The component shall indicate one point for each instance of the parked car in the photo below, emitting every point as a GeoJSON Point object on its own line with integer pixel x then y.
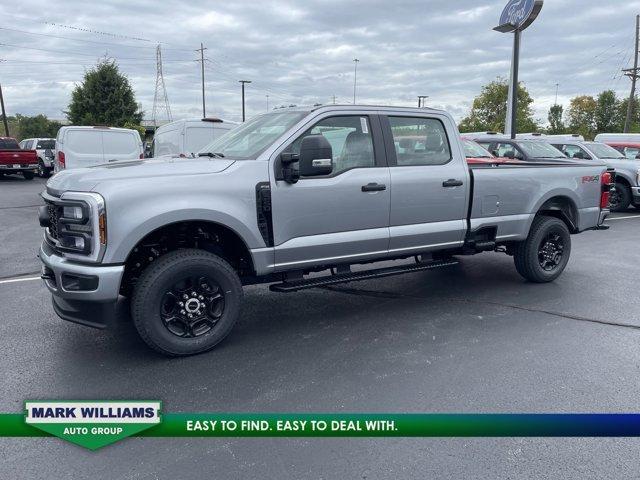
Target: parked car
{"type": "Point", "coordinates": [477, 154]}
{"type": "Point", "coordinates": [78, 147]}
{"type": "Point", "coordinates": [44, 148]}
{"type": "Point", "coordinates": [630, 150]}
{"type": "Point", "coordinates": [289, 193]}
{"type": "Point", "coordinates": [14, 159]}
{"type": "Point", "coordinates": [617, 137]}
{"type": "Point", "coordinates": [627, 178]}
{"type": "Point", "coordinates": [548, 138]}
{"type": "Point", "coordinates": [187, 137]}
{"type": "Point", "coordinates": [526, 150]}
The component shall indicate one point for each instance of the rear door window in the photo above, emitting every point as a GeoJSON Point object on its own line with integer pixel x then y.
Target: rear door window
{"type": "Point", "coordinates": [120, 143]}
{"type": "Point", "coordinates": [9, 144]}
{"type": "Point", "coordinates": [197, 137]}
{"type": "Point", "coordinates": [86, 142]}
{"type": "Point", "coordinates": [419, 141]}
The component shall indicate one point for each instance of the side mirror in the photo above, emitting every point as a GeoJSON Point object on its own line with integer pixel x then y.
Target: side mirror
{"type": "Point", "coordinates": [316, 156]}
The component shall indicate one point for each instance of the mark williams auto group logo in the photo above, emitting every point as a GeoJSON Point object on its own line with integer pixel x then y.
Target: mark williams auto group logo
{"type": "Point", "coordinates": [92, 424]}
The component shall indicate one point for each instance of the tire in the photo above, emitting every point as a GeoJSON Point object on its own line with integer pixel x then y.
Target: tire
{"type": "Point", "coordinates": [43, 172]}
{"type": "Point", "coordinates": [621, 199]}
{"type": "Point", "coordinates": [28, 175]}
{"type": "Point", "coordinates": [158, 294]}
{"type": "Point", "coordinates": [539, 264]}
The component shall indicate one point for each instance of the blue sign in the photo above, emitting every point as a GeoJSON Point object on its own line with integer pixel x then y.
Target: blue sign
{"type": "Point", "coordinates": [519, 14]}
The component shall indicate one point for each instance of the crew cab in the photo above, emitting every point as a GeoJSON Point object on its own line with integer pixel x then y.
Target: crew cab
{"type": "Point", "coordinates": [627, 170]}
{"type": "Point", "coordinates": [15, 160]}
{"type": "Point", "coordinates": [290, 193]}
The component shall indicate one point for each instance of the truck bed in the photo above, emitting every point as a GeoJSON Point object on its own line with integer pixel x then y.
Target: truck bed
{"type": "Point", "coordinates": [508, 196]}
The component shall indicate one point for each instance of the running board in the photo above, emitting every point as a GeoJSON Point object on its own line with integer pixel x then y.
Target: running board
{"type": "Point", "coordinates": [295, 285]}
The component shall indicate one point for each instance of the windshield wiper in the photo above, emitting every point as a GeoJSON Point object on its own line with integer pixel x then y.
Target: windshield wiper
{"type": "Point", "coordinates": [211, 154]}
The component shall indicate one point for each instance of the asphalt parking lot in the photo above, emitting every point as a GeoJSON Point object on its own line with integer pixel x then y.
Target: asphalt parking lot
{"type": "Point", "coordinates": [472, 338]}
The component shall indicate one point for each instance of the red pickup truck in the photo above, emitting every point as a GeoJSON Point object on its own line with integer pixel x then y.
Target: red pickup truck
{"type": "Point", "coordinates": [15, 160]}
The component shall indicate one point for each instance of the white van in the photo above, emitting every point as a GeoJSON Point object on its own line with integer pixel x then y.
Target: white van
{"type": "Point", "coordinates": [618, 137]}
{"type": "Point", "coordinates": [184, 137]}
{"type": "Point", "coordinates": [78, 147]}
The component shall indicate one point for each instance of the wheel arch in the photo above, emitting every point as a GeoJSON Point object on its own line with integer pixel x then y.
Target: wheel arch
{"type": "Point", "coordinates": [563, 208]}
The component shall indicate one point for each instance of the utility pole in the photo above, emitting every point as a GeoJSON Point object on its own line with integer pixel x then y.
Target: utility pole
{"type": "Point", "coordinates": [557, 86]}
{"type": "Point", "coordinates": [201, 50]}
{"type": "Point", "coordinates": [633, 74]}
{"type": "Point", "coordinates": [4, 114]}
{"type": "Point", "coordinates": [243, 83]}
{"type": "Point", "coordinates": [355, 78]}
{"type": "Point", "coordinates": [422, 100]}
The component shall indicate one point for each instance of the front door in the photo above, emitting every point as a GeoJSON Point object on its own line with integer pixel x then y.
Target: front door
{"type": "Point", "coordinates": [340, 217]}
{"type": "Point", "coordinates": [429, 184]}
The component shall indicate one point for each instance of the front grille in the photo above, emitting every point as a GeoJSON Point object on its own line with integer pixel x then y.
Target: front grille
{"type": "Point", "coordinates": [53, 220]}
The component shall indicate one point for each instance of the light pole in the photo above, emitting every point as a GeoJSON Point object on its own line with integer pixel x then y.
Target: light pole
{"type": "Point", "coordinates": [243, 82]}
{"type": "Point", "coordinates": [557, 87]}
{"type": "Point", "coordinates": [355, 78]}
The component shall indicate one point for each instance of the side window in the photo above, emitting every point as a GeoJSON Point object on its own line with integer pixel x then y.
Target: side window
{"type": "Point", "coordinates": [420, 141]}
{"type": "Point", "coordinates": [507, 150]}
{"type": "Point", "coordinates": [631, 152]}
{"type": "Point", "coordinates": [350, 139]}
{"type": "Point", "coordinates": [573, 151]}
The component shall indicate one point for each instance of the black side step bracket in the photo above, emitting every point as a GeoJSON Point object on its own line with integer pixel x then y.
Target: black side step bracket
{"type": "Point", "coordinates": [294, 286]}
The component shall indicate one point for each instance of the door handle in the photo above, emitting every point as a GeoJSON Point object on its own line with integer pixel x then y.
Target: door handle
{"type": "Point", "coordinates": [452, 182]}
{"type": "Point", "coordinates": [374, 187]}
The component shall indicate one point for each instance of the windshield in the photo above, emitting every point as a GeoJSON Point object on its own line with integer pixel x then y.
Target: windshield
{"type": "Point", "coordinates": [250, 139]}
{"type": "Point", "coordinates": [44, 144]}
{"type": "Point", "coordinates": [540, 150]}
{"type": "Point", "coordinates": [473, 150]}
{"type": "Point", "coordinates": [603, 151]}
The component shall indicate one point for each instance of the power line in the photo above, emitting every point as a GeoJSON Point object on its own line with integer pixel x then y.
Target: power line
{"type": "Point", "coordinates": [95, 42]}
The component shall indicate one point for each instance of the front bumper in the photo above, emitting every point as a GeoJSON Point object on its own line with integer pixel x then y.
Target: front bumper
{"type": "Point", "coordinates": [635, 191]}
{"type": "Point", "coordinates": [85, 294]}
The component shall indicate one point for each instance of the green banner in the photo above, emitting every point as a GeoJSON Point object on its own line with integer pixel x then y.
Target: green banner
{"type": "Point", "coordinates": [96, 424]}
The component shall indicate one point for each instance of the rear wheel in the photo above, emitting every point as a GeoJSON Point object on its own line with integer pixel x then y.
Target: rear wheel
{"type": "Point", "coordinates": [620, 199]}
{"type": "Point", "coordinates": [28, 175]}
{"type": "Point", "coordinates": [186, 302]}
{"type": "Point", "coordinates": [543, 256]}
{"type": "Point", "coordinates": [43, 172]}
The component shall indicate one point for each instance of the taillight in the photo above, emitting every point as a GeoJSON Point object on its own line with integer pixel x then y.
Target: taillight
{"type": "Point", "coordinates": [606, 181]}
{"type": "Point", "coordinates": [61, 159]}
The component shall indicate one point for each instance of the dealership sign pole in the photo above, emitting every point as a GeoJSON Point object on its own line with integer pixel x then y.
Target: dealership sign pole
{"type": "Point", "coordinates": [516, 16]}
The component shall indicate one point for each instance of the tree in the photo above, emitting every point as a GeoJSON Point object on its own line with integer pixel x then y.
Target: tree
{"type": "Point", "coordinates": [635, 117]}
{"type": "Point", "coordinates": [607, 113]}
{"type": "Point", "coordinates": [489, 109]}
{"type": "Point", "coordinates": [105, 97]}
{"type": "Point", "coordinates": [582, 112]}
{"type": "Point", "coordinates": [556, 126]}
{"type": "Point", "coordinates": [38, 126]}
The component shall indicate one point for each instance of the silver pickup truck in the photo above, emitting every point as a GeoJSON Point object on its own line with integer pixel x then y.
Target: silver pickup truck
{"type": "Point", "coordinates": [291, 193]}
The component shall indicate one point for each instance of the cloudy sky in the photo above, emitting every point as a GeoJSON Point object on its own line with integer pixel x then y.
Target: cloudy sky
{"type": "Point", "coordinates": [301, 52]}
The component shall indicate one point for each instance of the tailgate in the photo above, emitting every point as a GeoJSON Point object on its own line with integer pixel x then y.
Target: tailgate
{"type": "Point", "coordinates": [22, 157]}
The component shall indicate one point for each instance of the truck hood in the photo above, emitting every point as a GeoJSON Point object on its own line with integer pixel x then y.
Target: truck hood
{"type": "Point", "coordinates": [86, 179]}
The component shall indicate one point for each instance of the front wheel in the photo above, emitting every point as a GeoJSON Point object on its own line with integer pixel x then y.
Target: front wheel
{"type": "Point", "coordinates": [620, 198]}
{"type": "Point", "coordinates": [186, 302]}
{"type": "Point", "coordinates": [543, 256]}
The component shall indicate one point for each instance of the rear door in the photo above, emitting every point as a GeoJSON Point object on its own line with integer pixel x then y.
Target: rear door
{"type": "Point", "coordinates": [429, 183]}
{"type": "Point", "coordinates": [83, 148]}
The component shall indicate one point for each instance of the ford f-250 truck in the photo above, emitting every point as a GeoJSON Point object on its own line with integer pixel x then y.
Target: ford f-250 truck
{"type": "Point", "coordinates": [289, 193]}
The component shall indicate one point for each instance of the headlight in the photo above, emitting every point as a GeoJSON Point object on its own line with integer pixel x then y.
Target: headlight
{"type": "Point", "coordinates": [80, 226]}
